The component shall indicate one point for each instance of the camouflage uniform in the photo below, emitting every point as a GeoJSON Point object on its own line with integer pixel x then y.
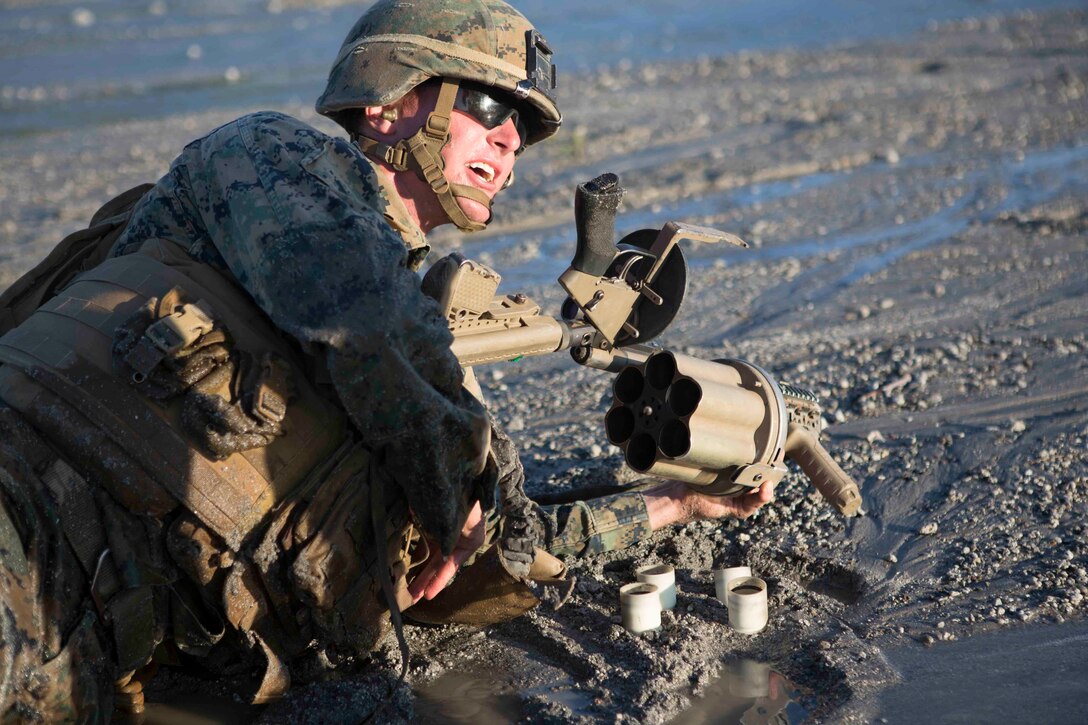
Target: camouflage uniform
{"type": "Point", "coordinates": [303, 224]}
{"type": "Point", "coordinates": [235, 180]}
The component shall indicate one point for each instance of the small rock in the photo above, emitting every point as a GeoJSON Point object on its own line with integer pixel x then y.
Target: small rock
{"type": "Point", "coordinates": [82, 18]}
{"type": "Point", "coordinates": [874, 436]}
{"type": "Point", "coordinates": [744, 537]}
{"type": "Point", "coordinates": [891, 559]}
{"type": "Point", "coordinates": [1018, 426]}
{"type": "Point", "coordinates": [928, 530]}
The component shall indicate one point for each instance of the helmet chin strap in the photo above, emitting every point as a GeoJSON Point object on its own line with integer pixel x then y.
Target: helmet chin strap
{"type": "Point", "coordinates": [422, 153]}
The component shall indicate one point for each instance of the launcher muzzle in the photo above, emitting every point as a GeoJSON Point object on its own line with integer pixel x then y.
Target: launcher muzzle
{"type": "Point", "coordinates": [723, 427]}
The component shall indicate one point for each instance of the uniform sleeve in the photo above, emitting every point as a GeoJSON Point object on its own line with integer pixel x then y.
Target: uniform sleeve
{"type": "Point", "coordinates": [575, 529]}
{"type": "Point", "coordinates": [595, 526]}
{"type": "Point", "coordinates": [295, 216]}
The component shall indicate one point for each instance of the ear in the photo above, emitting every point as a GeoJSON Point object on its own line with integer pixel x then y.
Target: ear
{"type": "Point", "coordinates": [371, 120]}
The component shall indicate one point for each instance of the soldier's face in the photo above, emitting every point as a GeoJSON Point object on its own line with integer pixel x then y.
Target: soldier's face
{"type": "Point", "coordinates": [475, 156]}
{"type": "Point", "coordinates": [480, 157]}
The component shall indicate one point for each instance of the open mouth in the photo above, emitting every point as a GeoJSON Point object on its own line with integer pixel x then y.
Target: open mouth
{"type": "Point", "coordinates": [485, 171]}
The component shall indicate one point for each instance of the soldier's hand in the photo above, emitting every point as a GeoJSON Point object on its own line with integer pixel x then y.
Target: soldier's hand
{"type": "Point", "coordinates": [673, 502]}
{"type": "Point", "coordinates": [437, 572]}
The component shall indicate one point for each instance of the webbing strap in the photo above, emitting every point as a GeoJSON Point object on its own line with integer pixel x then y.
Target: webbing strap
{"type": "Point", "coordinates": [378, 522]}
{"type": "Point", "coordinates": [80, 521]}
{"type": "Point", "coordinates": [422, 153]}
{"type": "Point", "coordinates": [394, 156]}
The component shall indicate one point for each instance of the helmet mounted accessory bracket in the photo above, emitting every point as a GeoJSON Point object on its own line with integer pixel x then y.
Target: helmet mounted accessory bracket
{"type": "Point", "coordinates": [539, 69]}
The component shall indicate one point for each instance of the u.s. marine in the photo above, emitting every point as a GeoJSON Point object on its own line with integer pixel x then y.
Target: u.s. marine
{"type": "Point", "coordinates": [232, 432]}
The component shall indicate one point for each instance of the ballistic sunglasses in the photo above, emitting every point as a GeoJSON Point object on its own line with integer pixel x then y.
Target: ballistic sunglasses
{"type": "Point", "coordinates": [492, 108]}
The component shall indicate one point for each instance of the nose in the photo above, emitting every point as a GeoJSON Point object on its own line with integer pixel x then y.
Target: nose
{"type": "Point", "coordinates": [505, 136]}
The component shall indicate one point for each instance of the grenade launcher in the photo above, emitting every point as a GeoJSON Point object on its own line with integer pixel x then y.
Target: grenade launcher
{"type": "Point", "coordinates": [722, 427]}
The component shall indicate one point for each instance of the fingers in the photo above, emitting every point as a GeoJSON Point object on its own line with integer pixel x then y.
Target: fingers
{"type": "Point", "coordinates": [425, 576]}
{"type": "Point", "coordinates": [766, 492]}
{"type": "Point", "coordinates": [754, 500]}
{"type": "Point", "coordinates": [442, 576]}
{"type": "Point", "coordinates": [437, 572]}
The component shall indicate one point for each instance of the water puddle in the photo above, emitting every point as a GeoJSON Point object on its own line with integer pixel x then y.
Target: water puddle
{"type": "Point", "coordinates": [1035, 674]}
{"type": "Point", "coordinates": [488, 697]}
{"type": "Point", "coordinates": [1037, 178]}
{"type": "Point", "coordinates": [198, 710]}
{"type": "Point", "coordinates": [458, 697]}
{"type": "Point", "coordinates": [748, 692]}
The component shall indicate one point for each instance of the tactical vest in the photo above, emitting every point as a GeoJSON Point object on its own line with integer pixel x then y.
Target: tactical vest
{"type": "Point", "coordinates": [171, 307]}
{"type": "Point", "coordinates": [163, 383]}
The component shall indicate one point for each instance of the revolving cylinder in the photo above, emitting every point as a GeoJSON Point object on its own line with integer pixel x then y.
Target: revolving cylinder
{"type": "Point", "coordinates": [718, 426]}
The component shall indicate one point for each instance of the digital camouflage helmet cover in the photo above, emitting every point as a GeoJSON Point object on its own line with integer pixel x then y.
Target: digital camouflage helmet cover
{"type": "Point", "coordinates": [399, 44]}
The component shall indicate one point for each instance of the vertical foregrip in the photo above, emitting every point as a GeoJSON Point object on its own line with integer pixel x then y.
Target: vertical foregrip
{"type": "Point", "coordinates": [803, 447]}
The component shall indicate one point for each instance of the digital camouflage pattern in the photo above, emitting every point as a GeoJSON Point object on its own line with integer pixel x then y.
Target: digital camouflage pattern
{"type": "Point", "coordinates": [295, 217]}
{"type": "Point", "coordinates": [592, 527]}
{"type": "Point", "coordinates": [303, 224]}
{"type": "Point", "coordinates": [54, 662]}
{"type": "Point", "coordinates": [397, 45]}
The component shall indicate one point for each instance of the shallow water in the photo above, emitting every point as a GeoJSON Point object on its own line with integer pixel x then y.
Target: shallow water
{"type": "Point", "coordinates": [109, 60]}
{"type": "Point", "coordinates": [1035, 674]}
{"type": "Point", "coordinates": [459, 696]}
{"type": "Point", "coordinates": [746, 692]}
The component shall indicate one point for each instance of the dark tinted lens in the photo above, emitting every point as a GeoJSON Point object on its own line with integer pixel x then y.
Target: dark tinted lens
{"type": "Point", "coordinates": [489, 108]}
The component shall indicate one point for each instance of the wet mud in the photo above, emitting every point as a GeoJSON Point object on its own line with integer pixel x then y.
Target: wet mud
{"type": "Point", "coordinates": [918, 215]}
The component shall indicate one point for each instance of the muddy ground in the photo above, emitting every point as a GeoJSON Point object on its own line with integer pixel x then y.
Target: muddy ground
{"type": "Point", "coordinates": [918, 214]}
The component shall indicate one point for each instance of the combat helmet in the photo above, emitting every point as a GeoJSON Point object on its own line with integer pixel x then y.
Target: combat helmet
{"type": "Point", "coordinates": [399, 44]}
